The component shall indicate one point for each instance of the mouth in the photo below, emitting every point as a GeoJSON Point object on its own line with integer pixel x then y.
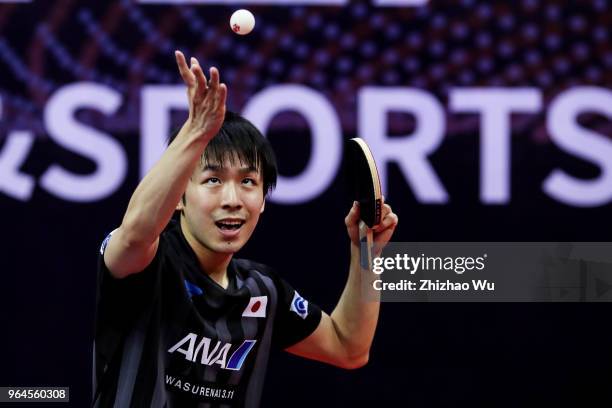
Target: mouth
{"type": "Point", "coordinates": [229, 224]}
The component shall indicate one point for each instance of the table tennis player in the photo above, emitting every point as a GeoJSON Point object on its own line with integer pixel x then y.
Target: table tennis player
{"type": "Point", "coordinates": [179, 321]}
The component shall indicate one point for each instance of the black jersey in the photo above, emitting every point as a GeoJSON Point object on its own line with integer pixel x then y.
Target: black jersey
{"type": "Point", "coordinates": [170, 336]}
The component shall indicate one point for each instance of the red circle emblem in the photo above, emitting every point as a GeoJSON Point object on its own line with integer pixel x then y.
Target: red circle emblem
{"type": "Point", "coordinates": [256, 306]}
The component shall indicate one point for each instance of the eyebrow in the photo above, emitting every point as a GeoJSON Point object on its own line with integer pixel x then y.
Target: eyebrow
{"type": "Point", "coordinates": [218, 168]}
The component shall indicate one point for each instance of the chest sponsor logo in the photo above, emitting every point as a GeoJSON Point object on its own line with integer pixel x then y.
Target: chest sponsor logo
{"type": "Point", "coordinates": [257, 307]}
{"type": "Point", "coordinates": [299, 305]}
{"type": "Point", "coordinates": [201, 351]}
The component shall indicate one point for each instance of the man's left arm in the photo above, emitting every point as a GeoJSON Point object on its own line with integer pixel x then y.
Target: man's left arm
{"type": "Point", "coordinates": [344, 338]}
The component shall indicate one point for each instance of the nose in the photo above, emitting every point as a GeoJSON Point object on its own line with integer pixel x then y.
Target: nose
{"type": "Point", "coordinates": [231, 197]}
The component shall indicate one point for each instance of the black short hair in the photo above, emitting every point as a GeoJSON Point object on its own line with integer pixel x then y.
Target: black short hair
{"type": "Point", "coordinates": [238, 139]}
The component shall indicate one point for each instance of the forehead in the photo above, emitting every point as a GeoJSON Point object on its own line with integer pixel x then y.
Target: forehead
{"type": "Point", "coordinates": [228, 166]}
{"type": "Point", "coordinates": [229, 158]}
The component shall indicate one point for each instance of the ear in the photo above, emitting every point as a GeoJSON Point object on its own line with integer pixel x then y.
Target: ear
{"type": "Point", "coordinates": [180, 206]}
{"type": "Point", "coordinates": [263, 206]}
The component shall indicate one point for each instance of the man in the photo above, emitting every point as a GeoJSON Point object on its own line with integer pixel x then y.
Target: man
{"type": "Point", "coordinates": [180, 322]}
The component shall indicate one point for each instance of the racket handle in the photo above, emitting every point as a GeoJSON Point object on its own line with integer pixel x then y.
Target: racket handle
{"type": "Point", "coordinates": [366, 241]}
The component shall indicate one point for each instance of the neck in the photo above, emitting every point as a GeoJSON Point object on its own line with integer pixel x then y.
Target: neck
{"type": "Point", "coordinates": [213, 264]}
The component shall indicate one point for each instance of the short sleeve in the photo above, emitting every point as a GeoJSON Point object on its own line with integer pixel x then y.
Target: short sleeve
{"type": "Point", "coordinates": [119, 302]}
{"type": "Point", "coordinates": [296, 317]}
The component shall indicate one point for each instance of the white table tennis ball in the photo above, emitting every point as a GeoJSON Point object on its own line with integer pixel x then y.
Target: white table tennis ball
{"type": "Point", "coordinates": [242, 22]}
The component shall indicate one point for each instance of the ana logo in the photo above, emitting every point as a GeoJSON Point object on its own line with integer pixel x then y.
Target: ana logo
{"type": "Point", "coordinates": [256, 307]}
{"type": "Point", "coordinates": [299, 305]}
{"type": "Point", "coordinates": [218, 355]}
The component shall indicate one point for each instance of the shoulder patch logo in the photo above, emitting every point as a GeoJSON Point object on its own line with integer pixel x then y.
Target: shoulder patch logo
{"type": "Point", "coordinates": [299, 305]}
{"type": "Point", "coordinates": [257, 307]}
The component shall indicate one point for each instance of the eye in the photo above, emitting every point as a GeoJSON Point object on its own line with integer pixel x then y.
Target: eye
{"type": "Point", "coordinates": [249, 181]}
{"type": "Point", "coordinates": [212, 180]}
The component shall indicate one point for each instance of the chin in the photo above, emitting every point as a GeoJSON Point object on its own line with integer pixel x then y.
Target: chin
{"type": "Point", "coordinates": [228, 248]}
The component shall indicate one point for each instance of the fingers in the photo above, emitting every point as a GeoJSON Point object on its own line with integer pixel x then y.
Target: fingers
{"type": "Point", "coordinates": [222, 94]}
{"type": "Point", "coordinates": [388, 219]}
{"type": "Point", "coordinates": [219, 90]}
{"type": "Point", "coordinates": [384, 232]}
{"type": "Point", "coordinates": [196, 73]}
{"type": "Point", "coordinates": [386, 209]}
{"type": "Point", "coordinates": [202, 84]}
{"type": "Point", "coordinates": [184, 70]}
{"type": "Point", "coordinates": [353, 216]}
{"type": "Point", "coordinates": [214, 78]}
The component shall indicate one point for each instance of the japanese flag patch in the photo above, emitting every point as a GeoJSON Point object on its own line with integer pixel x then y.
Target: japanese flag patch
{"type": "Point", "coordinates": [256, 307]}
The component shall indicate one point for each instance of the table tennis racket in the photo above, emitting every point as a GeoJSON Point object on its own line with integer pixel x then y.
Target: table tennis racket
{"type": "Point", "coordinates": [364, 187]}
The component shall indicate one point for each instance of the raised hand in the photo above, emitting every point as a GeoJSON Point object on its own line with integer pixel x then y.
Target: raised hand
{"type": "Point", "coordinates": [206, 98]}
